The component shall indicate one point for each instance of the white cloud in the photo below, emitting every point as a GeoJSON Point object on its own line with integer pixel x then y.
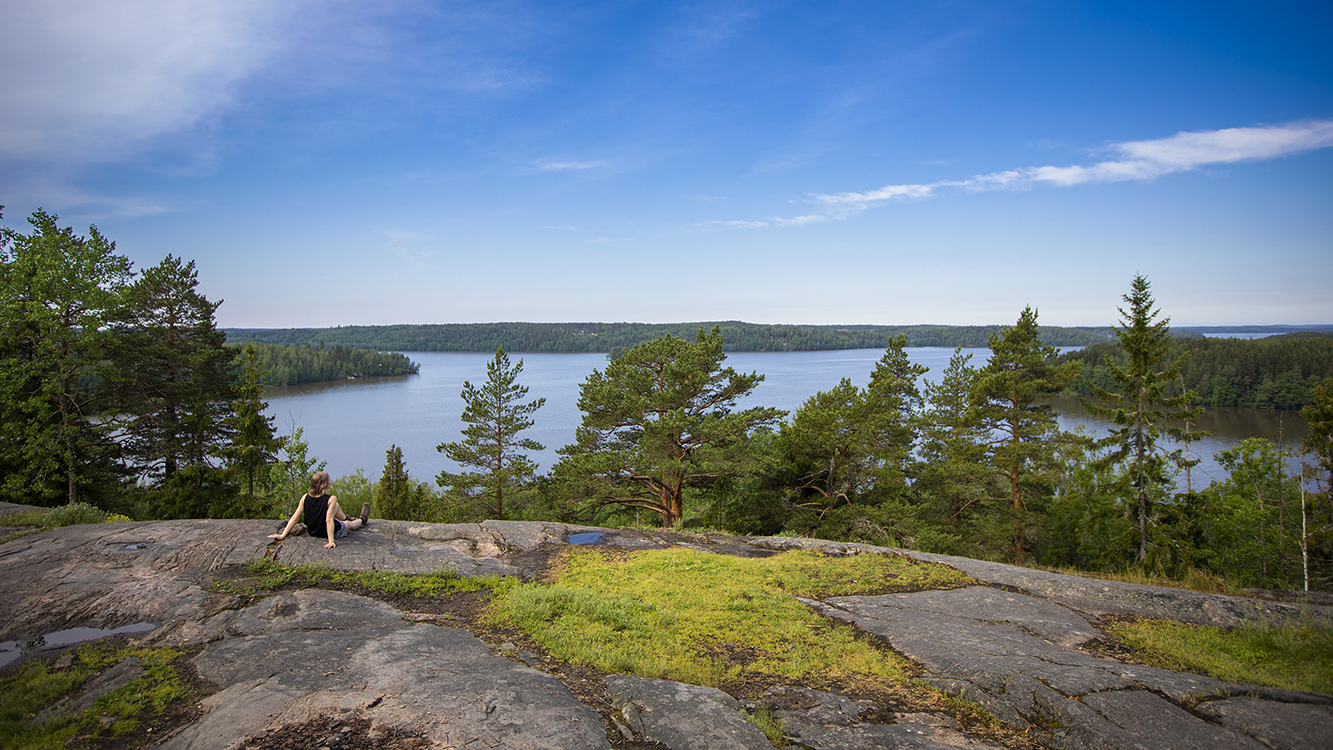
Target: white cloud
{"type": "Point", "coordinates": [1136, 160]}
{"type": "Point", "coordinates": [87, 80]}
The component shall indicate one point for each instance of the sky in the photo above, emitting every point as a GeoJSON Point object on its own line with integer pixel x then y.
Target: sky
{"type": "Point", "coordinates": [329, 162]}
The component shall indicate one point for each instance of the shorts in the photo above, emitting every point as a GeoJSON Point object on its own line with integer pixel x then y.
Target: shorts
{"type": "Point", "coordinates": [339, 530]}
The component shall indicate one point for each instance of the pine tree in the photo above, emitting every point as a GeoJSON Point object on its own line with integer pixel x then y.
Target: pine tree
{"type": "Point", "coordinates": [57, 293]}
{"type": "Point", "coordinates": [1023, 431]}
{"type": "Point", "coordinates": [846, 440]}
{"type": "Point", "coordinates": [491, 441]}
{"type": "Point", "coordinates": [658, 420]}
{"type": "Point", "coordinates": [1140, 411]}
{"type": "Point", "coordinates": [182, 386]}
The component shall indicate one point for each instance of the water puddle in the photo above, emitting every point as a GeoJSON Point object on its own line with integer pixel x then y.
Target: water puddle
{"type": "Point", "coordinates": [589, 537]}
{"type": "Point", "coordinates": [134, 547]}
{"type": "Point", "coordinates": [11, 650]}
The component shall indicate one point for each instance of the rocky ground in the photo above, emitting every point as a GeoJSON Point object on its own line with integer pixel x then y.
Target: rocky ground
{"type": "Point", "coordinates": [346, 669]}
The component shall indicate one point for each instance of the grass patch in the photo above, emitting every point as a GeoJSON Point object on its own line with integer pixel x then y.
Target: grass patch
{"type": "Point", "coordinates": [34, 686]}
{"type": "Point", "coordinates": [1296, 658]}
{"type": "Point", "coordinates": [269, 575]}
{"type": "Point", "coordinates": [715, 620]}
{"type": "Point", "coordinates": [767, 723]}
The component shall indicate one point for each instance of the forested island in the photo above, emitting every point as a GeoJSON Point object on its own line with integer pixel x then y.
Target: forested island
{"type": "Point", "coordinates": [616, 337]}
{"type": "Point", "coordinates": [1279, 372]}
{"type": "Point", "coordinates": [282, 364]}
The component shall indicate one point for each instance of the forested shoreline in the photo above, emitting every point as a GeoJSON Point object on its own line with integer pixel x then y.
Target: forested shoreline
{"type": "Point", "coordinates": [616, 337]}
{"type": "Point", "coordinates": [1278, 372]}
{"type": "Point", "coordinates": [296, 364]}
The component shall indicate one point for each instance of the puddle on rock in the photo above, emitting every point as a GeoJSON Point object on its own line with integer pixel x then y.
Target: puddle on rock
{"type": "Point", "coordinates": [11, 650]}
{"type": "Point", "coordinates": [589, 537]}
{"type": "Point", "coordinates": [134, 547]}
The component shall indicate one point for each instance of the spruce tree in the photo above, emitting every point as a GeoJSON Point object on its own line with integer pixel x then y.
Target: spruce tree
{"type": "Point", "coordinates": [394, 493]}
{"type": "Point", "coordinates": [1141, 412]}
{"type": "Point", "coordinates": [254, 447]}
{"type": "Point", "coordinates": [953, 473]}
{"type": "Point", "coordinates": [495, 416]}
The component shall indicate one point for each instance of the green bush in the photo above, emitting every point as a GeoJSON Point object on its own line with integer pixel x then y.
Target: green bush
{"type": "Point", "coordinates": [74, 514]}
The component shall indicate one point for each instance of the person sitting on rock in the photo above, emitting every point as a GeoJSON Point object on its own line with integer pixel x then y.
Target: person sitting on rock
{"type": "Point", "coordinates": [323, 515]}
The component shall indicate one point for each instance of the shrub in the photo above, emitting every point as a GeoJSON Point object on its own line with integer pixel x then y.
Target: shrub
{"type": "Point", "coordinates": [74, 514]}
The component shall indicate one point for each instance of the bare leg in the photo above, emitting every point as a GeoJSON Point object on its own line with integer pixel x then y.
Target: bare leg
{"type": "Point", "coordinates": [352, 524]}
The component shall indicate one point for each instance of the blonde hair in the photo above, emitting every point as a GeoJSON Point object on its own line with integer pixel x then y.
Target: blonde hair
{"type": "Point", "coordinates": [319, 481]}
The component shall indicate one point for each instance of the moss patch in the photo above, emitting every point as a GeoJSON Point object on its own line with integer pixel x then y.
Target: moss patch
{"type": "Point", "coordinates": [129, 711]}
{"type": "Point", "coordinates": [1295, 658]}
{"type": "Point", "coordinates": [713, 620]}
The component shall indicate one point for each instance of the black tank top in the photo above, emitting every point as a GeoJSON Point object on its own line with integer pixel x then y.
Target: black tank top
{"type": "Point", "coordinates": [316, 509]}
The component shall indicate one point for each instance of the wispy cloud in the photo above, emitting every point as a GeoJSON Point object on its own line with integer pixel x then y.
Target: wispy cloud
{"type": "Point", "coordinates": [399, 241]}
{"type": "Point", "coordinates": [1132, 160]}
{"type": "Point", "coordinates": [550, 165]}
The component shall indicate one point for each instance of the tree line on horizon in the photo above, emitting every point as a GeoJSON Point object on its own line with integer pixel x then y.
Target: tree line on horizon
{"type": "Point", "coordinates": [615, 338]}
{"type": "Point", "coordinates": [118, 390]}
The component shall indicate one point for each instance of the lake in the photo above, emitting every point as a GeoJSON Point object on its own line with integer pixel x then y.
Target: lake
{"type": "Point", "coordinates": [351, 423]}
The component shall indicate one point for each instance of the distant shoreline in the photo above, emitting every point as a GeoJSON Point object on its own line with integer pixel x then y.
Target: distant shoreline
{"type": "Point", "coordinates": [612, 337]}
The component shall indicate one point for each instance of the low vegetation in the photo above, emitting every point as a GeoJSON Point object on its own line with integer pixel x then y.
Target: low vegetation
{"type": "Point", "coordinates": [714, 620]}
{"type": "Point", "coordinates": [1296, 658]}
{"type": "Point", "coordinates": [28, 689]}
{"type": "Point", "coordinates": [268, 575]}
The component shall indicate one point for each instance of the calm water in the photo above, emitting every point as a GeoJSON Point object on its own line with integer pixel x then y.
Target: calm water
{"type": "Point", "coordinates": [350, 424]}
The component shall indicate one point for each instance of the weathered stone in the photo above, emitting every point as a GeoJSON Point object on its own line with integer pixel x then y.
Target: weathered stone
{"type": "Point", "coordinates": [1144, 720]}
{"type": "Point", "coordinates": [1003, 651]}
{"type": "Point", "coordinates": [823, 721]}
{"type": "Point", "coordinates": [683, 717]}
{"type": "Point", "coordinates": [109, 575]}
{"type": "Point", "coordinates": [309, 653]}
{"type": "Point", "coordinates": [1287, 726]}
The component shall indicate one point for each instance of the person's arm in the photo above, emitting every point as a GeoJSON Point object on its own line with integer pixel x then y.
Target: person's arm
{"type": "Point", "coordinates": [291, 523]}
{"type": "Point", "coordinates": [329, 525]}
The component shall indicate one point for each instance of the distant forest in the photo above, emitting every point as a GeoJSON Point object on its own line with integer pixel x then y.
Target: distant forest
{"type": "Point", "coordinates": [614, 337]}
{"type": "Point", "coordinates": [1278, 372]}
{"type": "Point", "coordinates": [293, 365]}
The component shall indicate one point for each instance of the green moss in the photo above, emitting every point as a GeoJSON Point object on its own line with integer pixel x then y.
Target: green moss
{"type": "Point", "coordinates": [768, 724]}
{"type": "Point", "coordinates": [27, 690]}
{"type": "Point", "coordinates": [712, 619]}
{"type": "Point", "coordinates": [1297, 658]}
{"type": "Point", "coordinates": [269, 575]}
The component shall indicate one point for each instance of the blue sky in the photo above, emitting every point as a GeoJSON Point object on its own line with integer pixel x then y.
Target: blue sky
{"type": "Point", "coordinates": [338, 163]}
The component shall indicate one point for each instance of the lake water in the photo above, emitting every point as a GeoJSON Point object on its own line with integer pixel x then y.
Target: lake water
{"type": "Point", "coordinates": [350, 424]}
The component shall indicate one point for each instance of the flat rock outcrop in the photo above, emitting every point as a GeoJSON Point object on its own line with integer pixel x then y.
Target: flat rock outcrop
{"type": "Point", "coordinates": [293, 657]}
{"type": "Point", "coordinates": [326, 659]}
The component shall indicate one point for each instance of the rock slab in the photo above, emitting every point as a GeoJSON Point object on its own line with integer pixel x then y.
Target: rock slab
{"type": "Point", "coordinates": [1014, 654]}
{"type": "Point", "coordinates": [294, 657]}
